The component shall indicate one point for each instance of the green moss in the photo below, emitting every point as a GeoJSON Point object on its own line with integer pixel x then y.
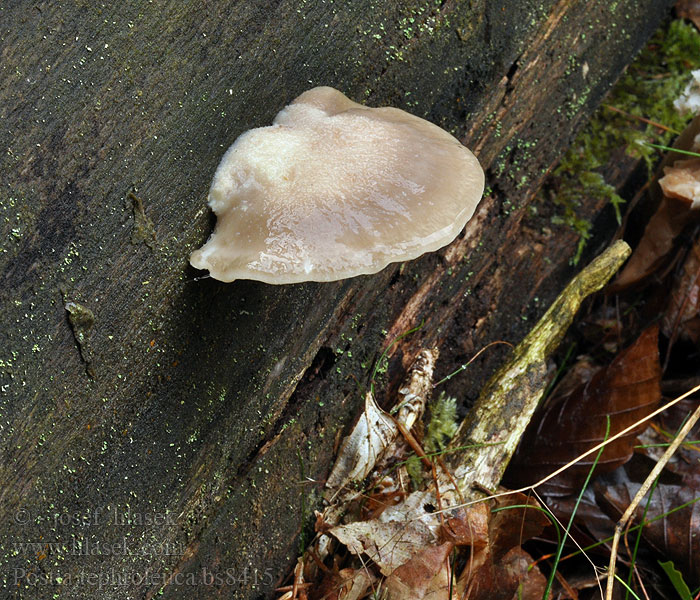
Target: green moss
{"type": "Point", "coordinates": [647, 90]}
{"type": "Point", "coordinates": [414, 468]}
{"type": "Point", "coordinates": [442, 425]}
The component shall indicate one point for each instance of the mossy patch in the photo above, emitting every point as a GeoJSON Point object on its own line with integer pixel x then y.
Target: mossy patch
{"type": "Point", "coordinates": [442, 425]}
{"type": "Point", "coordinates": [646, 91]}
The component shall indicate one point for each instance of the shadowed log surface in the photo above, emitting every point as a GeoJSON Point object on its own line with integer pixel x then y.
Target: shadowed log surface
{"type": "Point", "coordinates": [157, 432]}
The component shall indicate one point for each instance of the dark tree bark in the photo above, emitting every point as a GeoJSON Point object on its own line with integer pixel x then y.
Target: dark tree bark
{"type": "Point", "coordinates": [162, 434]}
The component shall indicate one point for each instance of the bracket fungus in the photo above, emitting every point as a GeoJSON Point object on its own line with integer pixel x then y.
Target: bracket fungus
{"type": "Point", "coordinates": [333, 189]}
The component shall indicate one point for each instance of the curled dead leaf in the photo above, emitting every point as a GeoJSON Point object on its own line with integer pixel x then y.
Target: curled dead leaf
{"type": "Point", "coordinates": [677, 207]}
{"type": "Point", "coordinates": [625, 391]}
{"type": "Point", "coordinates": [398, 534]}
{"type": "Point", "coordinates": [682, 316]}
{"type": "Point", "coordinates": [370, 437]}
{"type": "Point", "coordinates": [467, 526]}
{"type": "Point", "coordinates": [667, 223]}
{"type": "Point", "coordinates": [500, 568]}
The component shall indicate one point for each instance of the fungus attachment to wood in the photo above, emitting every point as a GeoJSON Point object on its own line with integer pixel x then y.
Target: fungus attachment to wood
{"type": "Point", "coordinates": [333, 189]}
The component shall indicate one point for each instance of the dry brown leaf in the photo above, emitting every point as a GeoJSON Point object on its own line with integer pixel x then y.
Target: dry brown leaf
{"type": "Point", "coordinates": [531, 582]}
{"type": "Point", "coordinates": [671, 532]}
{"type": "Point", "coordinates": [676, 208]}
{"type": "Point", "coordinates": [511, 577]}
{"type": "Point", "coordinates": [397, 535]}
{"type": "Point", "coordinates": [680, 319]}
{"type": "Point", "coordinates": [591, 524]}
{"type": "Point", "coordinates": [689, 9]}
{"type": "Point", "coordinates": [663, 228]}
{"type": "Point", "coordinates": [410, 544]}
{"type": "Point", "coordinates": [468, 526]}
{"type": "Point", "coordinates": [386, 493]}
{"type": "Point", "coordinates": [425, 577]}
{"type": "Point", "coordinates": [676, 535]}
{"type": "Point", "coordinates": [346, 584]}
{"type": "Point", "coordinates": [673, 418]}
{"type": "Point", "coordinates": [510, 527]}
{"type": "Point", "coordinates": [376, 436]}
{"type": "Point", "coordinates": [626, 390]}
{"type": "Point", "coordinates": [370, 437]}
{"type": "Point", "coordinates": [685, 463]}
{"type": "Point", "coordinates": [498, 569]}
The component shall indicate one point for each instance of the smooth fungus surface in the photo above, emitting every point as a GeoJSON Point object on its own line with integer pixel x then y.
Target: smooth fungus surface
{"type": "Point", "coordinates": [333, 189]}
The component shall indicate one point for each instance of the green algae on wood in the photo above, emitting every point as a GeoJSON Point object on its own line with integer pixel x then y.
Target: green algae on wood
{"type": "Point", "coordinates": [485, 441]}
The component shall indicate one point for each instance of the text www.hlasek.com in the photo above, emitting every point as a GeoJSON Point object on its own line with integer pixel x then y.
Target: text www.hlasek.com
{"type": "Point", "coordinates": [88, 547]}
{"type": "Point", "coordinates": [115, 578]}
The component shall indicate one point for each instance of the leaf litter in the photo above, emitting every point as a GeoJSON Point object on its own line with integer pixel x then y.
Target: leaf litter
{"type": "Point", "coordinates": [386, 533]}
{"type": "Point", "coordinates": [656, 294]}
{"type": "Point", "coordinates": [440, 539]}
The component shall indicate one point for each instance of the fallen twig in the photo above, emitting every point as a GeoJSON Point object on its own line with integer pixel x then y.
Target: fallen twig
{"type": "Point", "coordinates": [648, 482]}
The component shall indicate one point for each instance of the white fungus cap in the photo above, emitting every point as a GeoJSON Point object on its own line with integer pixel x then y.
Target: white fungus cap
{"type": "Point", "coordinates": [689, 100]}
{"type": "Point", "coordinates": [334, 189]}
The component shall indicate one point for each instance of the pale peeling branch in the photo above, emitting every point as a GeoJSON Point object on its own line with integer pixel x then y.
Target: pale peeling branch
{"type": "Point", "coordinates": [489, 435]}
